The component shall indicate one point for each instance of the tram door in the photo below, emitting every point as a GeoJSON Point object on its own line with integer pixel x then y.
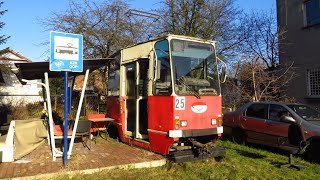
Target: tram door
{"type": "Point", "coordinates": [136, 89]}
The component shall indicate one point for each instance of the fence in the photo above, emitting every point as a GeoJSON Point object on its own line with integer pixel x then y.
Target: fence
{"type": "Point", "coordinates": [31, 106]}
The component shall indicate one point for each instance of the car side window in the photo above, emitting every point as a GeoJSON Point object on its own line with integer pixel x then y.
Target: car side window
{"type": "Point", "coordinates": [257, 111]}
{"type": "Point", "coordinates": [277, 111]}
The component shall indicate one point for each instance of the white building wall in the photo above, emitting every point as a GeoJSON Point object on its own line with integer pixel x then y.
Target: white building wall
{"type": "Point", "coordinates": [14, 93]}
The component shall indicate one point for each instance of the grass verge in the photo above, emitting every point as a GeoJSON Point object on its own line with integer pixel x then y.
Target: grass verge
{"type": "Point", "coordinates": [241, 162]}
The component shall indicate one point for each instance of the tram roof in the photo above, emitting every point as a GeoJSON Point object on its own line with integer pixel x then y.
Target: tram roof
{"type": "Point", "coordinates": [142, 50]}
{"type": "Point", "coordinates": [164, 37]}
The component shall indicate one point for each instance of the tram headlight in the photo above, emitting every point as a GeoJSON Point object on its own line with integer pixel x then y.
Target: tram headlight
{"type": "Point", "coordinates": [216, 121]}
{"type": "Point", "coordinates": [183, 123]}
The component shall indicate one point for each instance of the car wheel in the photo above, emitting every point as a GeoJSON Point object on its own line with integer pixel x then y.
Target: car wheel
{"type": "Point", "coordinates": [311, 153]}
{"type": "Point", "coordinates": [239, 136]}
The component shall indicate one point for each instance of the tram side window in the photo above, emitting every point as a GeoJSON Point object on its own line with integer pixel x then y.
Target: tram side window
{"type": "Point", "coordinates": [114, 83]}
{"type": "Point", "coordinates": [114, 77]}
{"type": "Point", "coordinates": [130, 80]}
{"type": "Point", "coordinates": [163, 85]}
{"type": "Point", "coordinates": [143, 81]}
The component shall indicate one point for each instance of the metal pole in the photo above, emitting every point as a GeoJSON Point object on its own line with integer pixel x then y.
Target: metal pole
{"type": "Point", "coordinates": [65, 124]}
{"type": "Point", "coordinates": [71, 91]}
{"type": "Point", "coordinates": [69, 99]}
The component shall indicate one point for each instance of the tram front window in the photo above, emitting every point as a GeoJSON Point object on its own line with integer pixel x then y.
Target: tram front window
{"type": "Point", "coordinates": [194, 68]}
{"type": "Point", "coordinates": [163, 84]}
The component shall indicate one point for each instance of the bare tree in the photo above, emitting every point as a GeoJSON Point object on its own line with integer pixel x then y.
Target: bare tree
{"type": "Point", "coordinates": [262, 37]}
{"type": "Point", "coordinates": [4, 65]}
{"type": "Point", "coordinates": [104, 26]}
{"type": "Point", "coordinates": [257, 73]}
{"type": "Point", "coordinates": [3, 38]}
{"type": "Point", "coordinates": [208, 19]}
{"type": "Point", "coordinates": [258, 82]}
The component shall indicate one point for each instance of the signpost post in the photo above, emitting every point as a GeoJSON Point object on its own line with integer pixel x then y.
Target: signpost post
{"type": "Point", "coordinates": [66, 51]}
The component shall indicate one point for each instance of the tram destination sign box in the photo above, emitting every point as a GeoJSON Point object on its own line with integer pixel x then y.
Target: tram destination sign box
{"type": "Point", "coordinates": [66, 52]}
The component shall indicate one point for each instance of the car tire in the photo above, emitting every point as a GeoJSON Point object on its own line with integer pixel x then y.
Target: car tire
{"type": "Point", "coordinates": [311, 153]}
{"type": "Point", "coordinates": [238, 136]}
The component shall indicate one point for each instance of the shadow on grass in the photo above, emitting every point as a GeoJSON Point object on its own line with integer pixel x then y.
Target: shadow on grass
{"type": "Point", "coordinates": [250, 154]}
{"type": "Point", "coordinates": [279, 164]}
{"type": "Point", "coordinates": [243, 152]}
{"type": "Point", "coordinates": [278, 151]}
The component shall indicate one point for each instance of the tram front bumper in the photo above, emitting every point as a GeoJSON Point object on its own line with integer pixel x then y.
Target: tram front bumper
{"type": "Point", "coordinates": [195, 132]}
{"type": "Point", "coordinates": [190, 155]}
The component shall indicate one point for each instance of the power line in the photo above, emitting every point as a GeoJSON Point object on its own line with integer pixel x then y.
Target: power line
{"type": "Point", "coordinates": [135, 12]}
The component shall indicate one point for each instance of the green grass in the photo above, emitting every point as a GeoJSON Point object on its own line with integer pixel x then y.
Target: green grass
{"type": "Point", "coordinates": [241, 162]}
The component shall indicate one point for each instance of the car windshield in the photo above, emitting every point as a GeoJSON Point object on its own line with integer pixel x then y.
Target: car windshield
{"type": "Point", "coordinates": [306, 112]}
{"type": "Point", "coordinates": [194, 68]}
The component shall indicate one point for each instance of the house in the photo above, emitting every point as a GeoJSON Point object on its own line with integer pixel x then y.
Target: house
{"type": "Point", "coordinates": [301, 21]}
{"type": "Point", "coordinates": [12, 91]}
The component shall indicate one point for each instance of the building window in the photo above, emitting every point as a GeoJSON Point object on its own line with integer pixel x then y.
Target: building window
{"type": "Point", "coordinates": [313, 82]}
{"type": "Point", "coordinates": [312, 12]}
{"type": "Point", "coordinates": [2, 82]}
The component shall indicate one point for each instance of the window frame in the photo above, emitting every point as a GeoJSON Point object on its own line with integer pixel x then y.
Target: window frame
{"type": "Point", "coordinates": [305, 18]}
{"type": "Point", "coordinates": [258, 104]}
{"type": "Point", "coordinates": [165, 71]}
{"type": "Point", "coordinates": [311, 88]}
{"type": "Point", "coordinates": [282, 109]}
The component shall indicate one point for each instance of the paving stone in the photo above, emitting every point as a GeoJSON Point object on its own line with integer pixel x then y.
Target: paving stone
{"type": "Point", "coordinates": [103, 154]}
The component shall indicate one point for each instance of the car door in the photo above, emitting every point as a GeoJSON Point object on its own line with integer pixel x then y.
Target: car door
{"type": "Point", "coordinates": [253, 121]}
{"type": "Point", "coordinates": [277, 130]}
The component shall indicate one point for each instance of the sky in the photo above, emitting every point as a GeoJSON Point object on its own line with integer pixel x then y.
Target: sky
{"type": "Point", "coordinates": [28, 35]}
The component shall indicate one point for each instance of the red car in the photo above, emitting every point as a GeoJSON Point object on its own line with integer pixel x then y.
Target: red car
{"type": "Point", "coordinates": [261, 123]}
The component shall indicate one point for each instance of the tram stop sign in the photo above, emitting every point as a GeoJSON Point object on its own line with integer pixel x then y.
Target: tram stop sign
{"type": "Point", "coordinates": [66, 52]}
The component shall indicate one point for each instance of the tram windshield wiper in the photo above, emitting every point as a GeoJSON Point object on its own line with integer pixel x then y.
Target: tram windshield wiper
{"type": "Point", "coordinates": [189, 88]}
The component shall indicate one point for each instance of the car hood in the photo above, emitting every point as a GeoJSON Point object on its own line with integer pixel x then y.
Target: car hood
{"type": "Point", "coordinates": [313, 127]}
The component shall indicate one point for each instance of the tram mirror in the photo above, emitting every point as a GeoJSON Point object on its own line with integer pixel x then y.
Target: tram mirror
{"type": "Point", "coordinates": [223, 71]}
{"type": "Point", "coordinates": [158, 69]}
{"type": "Point", "coordinates": [223, 74]}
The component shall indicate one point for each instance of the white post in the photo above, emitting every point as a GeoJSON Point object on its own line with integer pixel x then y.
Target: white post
{"type": "Point", "coordinates": [55, 152]}
{"type": "Point", "coordinates": [78, 113]}
{"type": "Point", "coordinates": [53, 144]}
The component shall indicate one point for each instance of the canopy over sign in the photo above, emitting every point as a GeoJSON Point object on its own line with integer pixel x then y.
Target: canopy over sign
{"type": "Point", "coordinates": [66, 52]}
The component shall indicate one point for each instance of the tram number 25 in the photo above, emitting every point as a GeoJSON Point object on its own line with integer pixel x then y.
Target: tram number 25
{"type": "Point", "coordinates": [180, 103]}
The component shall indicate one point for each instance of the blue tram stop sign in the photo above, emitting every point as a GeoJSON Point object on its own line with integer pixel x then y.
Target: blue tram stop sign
{"type": "Point", "coordinates": [66, 51]}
